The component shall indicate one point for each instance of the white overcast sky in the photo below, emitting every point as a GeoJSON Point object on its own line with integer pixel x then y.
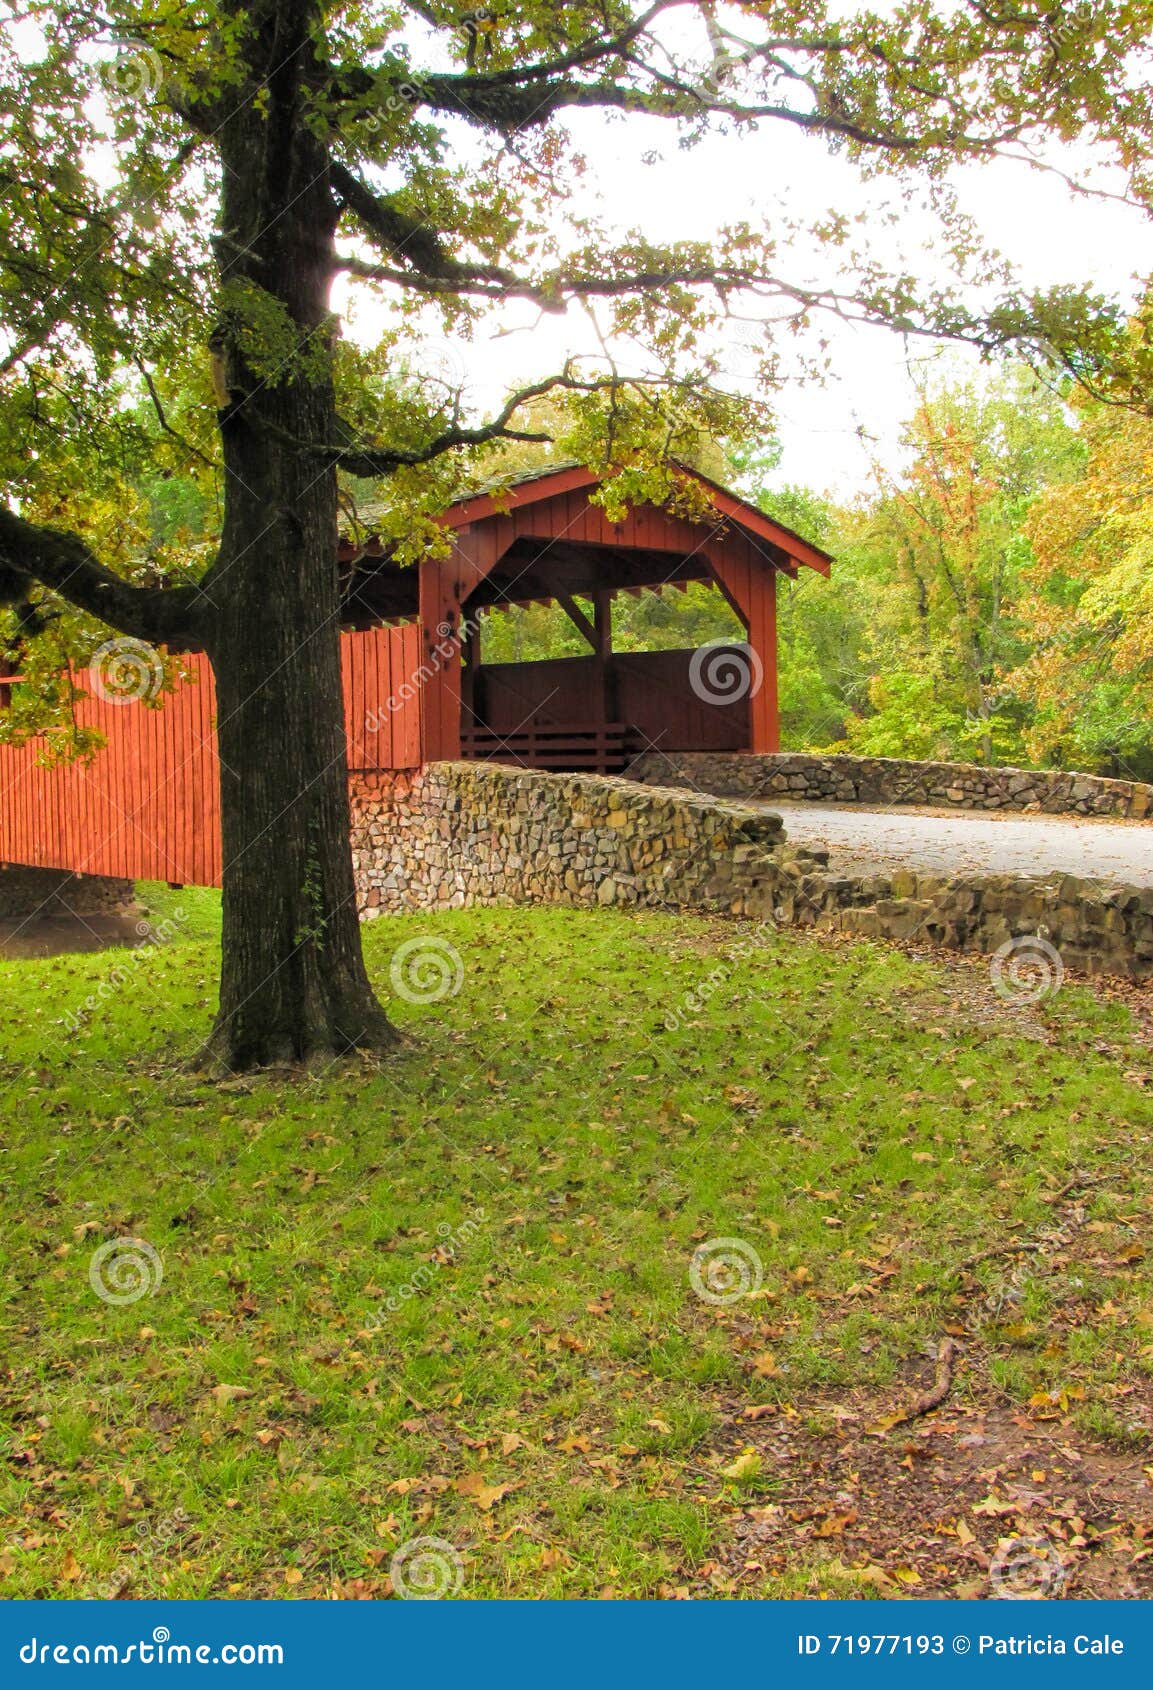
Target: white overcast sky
{"type": "Point", "coordinates": [830, 432]}
{"type": "Point", "coordinates": [1049, 235]}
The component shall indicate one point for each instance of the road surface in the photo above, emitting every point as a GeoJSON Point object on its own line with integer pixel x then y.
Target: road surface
{"type": "Point", "coordinates": [945, 842]}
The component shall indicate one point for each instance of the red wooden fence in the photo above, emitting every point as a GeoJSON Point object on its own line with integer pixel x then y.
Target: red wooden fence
{"type": "Point", "coordinates": [147, 806]}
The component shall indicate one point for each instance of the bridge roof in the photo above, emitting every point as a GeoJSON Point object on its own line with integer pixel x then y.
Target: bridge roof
{"type": "Point", "coordinates": [552, 539]}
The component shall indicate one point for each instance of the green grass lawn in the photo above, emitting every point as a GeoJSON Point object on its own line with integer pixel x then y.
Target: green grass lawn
{"type": "Point", "coordinates": [449, 1296]}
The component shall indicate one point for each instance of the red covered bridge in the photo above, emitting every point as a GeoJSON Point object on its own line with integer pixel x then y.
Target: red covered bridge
{"type": "Point", "coordinates": [416, 689]}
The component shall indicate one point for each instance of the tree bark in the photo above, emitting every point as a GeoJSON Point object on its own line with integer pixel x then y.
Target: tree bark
{"type": "Point", "coordinates": [293, 982]}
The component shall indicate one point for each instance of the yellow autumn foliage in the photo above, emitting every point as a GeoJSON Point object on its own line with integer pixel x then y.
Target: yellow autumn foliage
{"type": "Point", "coordinates": [1088, 609]}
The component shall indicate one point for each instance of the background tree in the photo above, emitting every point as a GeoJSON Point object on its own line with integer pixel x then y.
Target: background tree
{"type": "Point", "coordinates": [822, 636]}
{"type": "Point", "coordinates": [948, 553]}
{"type": "Point", "coordinates": [1087, 616]}
{"type": "Point", "coordinates": [186, 182]}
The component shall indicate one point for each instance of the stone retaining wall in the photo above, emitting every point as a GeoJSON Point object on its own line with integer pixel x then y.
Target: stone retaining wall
{"type": "Point", "coordinates": [892, 780]}
{"type": "Point", "coordinates": [457, 834]}
{"type": "Point", "coordinates": [1094, 927]}
{"type": "Point", "coordinates": [43, 892]}
{"type": "Point", "coordinates": [478, 833]}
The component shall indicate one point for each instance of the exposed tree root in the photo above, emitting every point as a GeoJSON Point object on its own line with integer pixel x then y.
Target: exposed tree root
{"type": "Point", "coordinates": [937, 1393]}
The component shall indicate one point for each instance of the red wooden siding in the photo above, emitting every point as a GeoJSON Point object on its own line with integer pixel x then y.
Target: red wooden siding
{"type": "Point", "coordinates": [570, 516]}
{"type": "Point", "coordinates": [548, 489]}
{"type": "Point", "coordinates": [743, 563]}
{"type": "Point", "coordinates": [382, 697]}
{"type": "Point", "coordinates": [654, 693]}
{"type": "Point", "coordinates": [559, 689]}
{"type": "Point", "coordinates": [440, 615]}
{"type": "Point", "coordinates": [147, 807]}
{"type": "Point", "coordinates": [751, 589]}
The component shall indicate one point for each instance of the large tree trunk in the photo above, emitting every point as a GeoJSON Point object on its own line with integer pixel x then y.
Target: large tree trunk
{"type": "Point", "coordinates": [293, 981]}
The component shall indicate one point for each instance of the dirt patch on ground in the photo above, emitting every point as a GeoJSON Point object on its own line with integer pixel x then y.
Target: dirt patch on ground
{"type": "Point", "coordinates": [972, 994]}
{"type": "Point", "coordinates": [967, 992]}
{"type": "Point", "coordinates": [64, 935]}
{"type": "Point", "coordinates": [976, 1500]}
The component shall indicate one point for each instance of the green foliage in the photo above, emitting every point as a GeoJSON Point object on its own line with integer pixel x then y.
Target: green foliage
{"type": "Point", "coordinates": [907, 650]}
{"type": "Point", "coordinates": [990, 602]}
{"type": "Point", "coordinates": [130, 296]}
{"type": "Point", "coordinates": [910, 717]}
{"type": "Point", "coordinates": [812, 710]}
{"type": "Point", "coordinates": [260, 328]}
{"type": "Point", "coordinates": [665, 621]}
{"type": "Point", "coordinates": [1088, 608]}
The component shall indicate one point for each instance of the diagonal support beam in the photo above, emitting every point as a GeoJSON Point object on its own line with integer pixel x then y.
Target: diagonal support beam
{"type": "Point", "coordinates": [578, 619]}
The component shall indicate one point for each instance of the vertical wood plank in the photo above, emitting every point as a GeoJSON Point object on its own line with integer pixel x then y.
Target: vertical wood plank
{"type": "Point", "coordinates": [439, 686]}
{"type": "Point", "coordinates": [749, 583]}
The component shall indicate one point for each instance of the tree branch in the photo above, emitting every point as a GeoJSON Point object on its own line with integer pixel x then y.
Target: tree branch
{"type": "Point", "coordinates": [488, 103]}
{"type": "Point", "coordinates": [162, 418]}
{"type": "Point", "coordinates": [409, 240]}
{"type": "Point", "coordinates": [553, 292]}
{"type": "Point", "coordinates": [366, 460]}
{"type": "Point", "coordinates": [65, 564]}
{"type": "Point", "coordinates": [612, 70]}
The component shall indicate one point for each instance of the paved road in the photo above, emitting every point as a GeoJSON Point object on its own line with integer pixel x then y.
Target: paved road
{"type": "Point", "coordinates": [943, 842]}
